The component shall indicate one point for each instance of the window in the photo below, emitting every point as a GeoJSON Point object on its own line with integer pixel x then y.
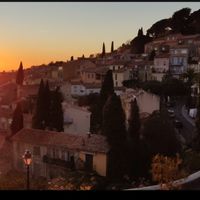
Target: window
{"type": "Point", "coordinates": [36, 151]}
{"type": "Point", "coordinates": [63, 155]}
{"type": "Point", "coordinates": [53, 153]}
{"type": "Point", "coordinates": [115, 76]}
{"type": "Point", "coordinates": [57, 153]}
{"type": "Point", "coordinates": [88, 75]}
{"type": "Point", "coordinates": [88, 162]}
{"type": "Point", "coordinates": [116, 83]}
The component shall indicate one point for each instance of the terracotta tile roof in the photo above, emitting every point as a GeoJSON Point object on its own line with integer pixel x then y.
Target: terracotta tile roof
{"type": "Point", "coordinates": [27, 90]}
{"type": "Point", "coordinates": [164, 55]}
{"type": "Point", "coordinates": [95, 143]}
{"type": "Point", "coordinates": [100, 70]}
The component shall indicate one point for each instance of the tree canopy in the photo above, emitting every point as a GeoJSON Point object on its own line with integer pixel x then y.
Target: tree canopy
{"type": "Point", "coordinates": [160, 136]}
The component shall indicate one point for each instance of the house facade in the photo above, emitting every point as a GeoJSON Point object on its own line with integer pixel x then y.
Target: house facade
{"type": "Point", "coordinates": [76, 119]}
{"type": "Point", "coordinates": [147, 102]}
{"type": "Point", "coordinates": [178, 59]}
{"type": "Point", "coordinates": [55, 153]}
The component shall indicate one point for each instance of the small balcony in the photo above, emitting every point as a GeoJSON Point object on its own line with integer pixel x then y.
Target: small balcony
{"type": "Point", "coordinates": [58, 162]}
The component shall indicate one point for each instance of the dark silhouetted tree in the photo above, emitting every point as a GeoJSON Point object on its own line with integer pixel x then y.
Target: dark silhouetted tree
{"type": "Point", "coordinates": [134, 125]}
{"type": "Point", "coordinates": [47, 100]}
{"type": "Point", "coordinates": [159, 28]}
{"type": "Point", "coordinates": [152, 55]}
{"type": "Point", "coordinates": [179, 20]}
{"type": "Point", "coordinates": [39, 114]}
{"type": "Point", "coordinates": [56, 112]}
{"type": "Point", "coordinates": [17, 121]}
{"type": "Point", "coordinates": [137, 44]}
{"type": "Point", "coordinates": [112, 46]}
{"type": "Point", "coordinates": [160, 135]}
{"type": "Point", "coordinates": [134, 121]}
{"type": "Point", "coordinates": [72, 58]}
{"type": "Point", "coordinates": [20, 75]}
{"type": "Point", "coordinates": [107, 89]}
{"type": "Point", "coordinates": [103, 50]}
{"type": "Point", "coordinates": [115, 131]}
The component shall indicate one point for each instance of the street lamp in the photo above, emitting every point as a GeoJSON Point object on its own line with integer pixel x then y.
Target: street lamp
{"type": "Point", "coordinates": [27, 157]}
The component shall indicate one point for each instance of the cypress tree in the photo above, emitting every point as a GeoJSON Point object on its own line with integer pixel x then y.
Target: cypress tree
{"type": "Point", "coordinates": [56, 111]}
{"type": "Point", "coordinates": [72, 58]}
{"type": "Point", "coordinates": [18, 121]}
{"type": "Point", "coordinates": [134, 121]}
{"type": "Point", "coordinates": [112, 46]}
{"type": "Point", "coordinates": [115, 131]}
{"type": "Point", "coordinates": [20, 75]}
{"type": "Point", "coordinates": [38, 117]}
{"type": "Point", "coordinates": [47, 100]}
{"type": "Point", "coordinates": [103, 50]}
{"type": "Point", "coordinates": [134, 133]}
{"type": "Point", "coordinates": [107, 87]}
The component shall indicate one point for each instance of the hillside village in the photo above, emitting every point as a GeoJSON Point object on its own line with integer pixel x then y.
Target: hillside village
{"type": "Point", "coordinates": [169, 59]}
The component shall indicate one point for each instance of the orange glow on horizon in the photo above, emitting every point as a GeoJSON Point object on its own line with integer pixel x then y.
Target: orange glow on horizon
{"type": "Point", "coordinates": [10, 61]}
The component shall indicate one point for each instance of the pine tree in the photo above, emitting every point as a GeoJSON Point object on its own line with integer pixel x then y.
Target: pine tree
{"type": "Point", "coordinates": [115, 131]}
{"type": "Point", "coordinates": [38, 117]}
{"type": "Point", "coordinates": [112, 46]}
{"type": "Point", "coordinates": [103, 50]}
{"type": "Point", "coordinates": [18, 121]}
{"type": "Point", "coordinates": [72, 58]}
{"type": "Point", "coordinates": [20, 75]}
{"type": "Point", "coordinates": [134, 121]}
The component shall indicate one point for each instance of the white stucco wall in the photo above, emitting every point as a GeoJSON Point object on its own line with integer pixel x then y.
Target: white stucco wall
{"type": "Point", "coordinates": [80, 119]}
{"type": "Point", "coordinates": [147, 102]}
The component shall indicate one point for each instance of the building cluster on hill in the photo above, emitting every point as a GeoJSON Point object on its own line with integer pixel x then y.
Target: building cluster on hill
{"type": "Point", "coordinates": [78, 147]}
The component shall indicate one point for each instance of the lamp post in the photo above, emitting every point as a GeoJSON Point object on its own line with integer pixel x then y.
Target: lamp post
{"type": "Point", "coordinates": [27, 157]}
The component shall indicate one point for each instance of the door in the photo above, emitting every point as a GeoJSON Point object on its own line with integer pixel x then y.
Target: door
{"type": "Point", "coordinates": [88, 162]}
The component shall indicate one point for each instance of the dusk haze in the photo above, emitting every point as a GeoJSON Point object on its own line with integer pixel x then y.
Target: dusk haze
{"type": "Point", "coordinates": [100, 96]}
{"type": "Point", "coordinates": [41, 32]}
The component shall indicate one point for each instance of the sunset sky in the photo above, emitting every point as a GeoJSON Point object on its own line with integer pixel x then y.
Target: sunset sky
{"type": "Point", "coordinates": [40, 32]}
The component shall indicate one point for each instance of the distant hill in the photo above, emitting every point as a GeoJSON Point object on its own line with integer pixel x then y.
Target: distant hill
{"type": "Point", "coordinates": [182, 21]}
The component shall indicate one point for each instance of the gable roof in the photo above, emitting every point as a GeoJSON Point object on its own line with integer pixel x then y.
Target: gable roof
{"type": "Point", "coordinates": [94, 143]}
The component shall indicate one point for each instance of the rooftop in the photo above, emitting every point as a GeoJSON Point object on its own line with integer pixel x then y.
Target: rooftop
{"type": "Point", "coordinates": [94, 143]}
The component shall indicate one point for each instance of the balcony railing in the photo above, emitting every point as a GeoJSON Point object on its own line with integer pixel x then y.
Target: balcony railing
{"type": "Point", "coordinates": [58, 162]}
